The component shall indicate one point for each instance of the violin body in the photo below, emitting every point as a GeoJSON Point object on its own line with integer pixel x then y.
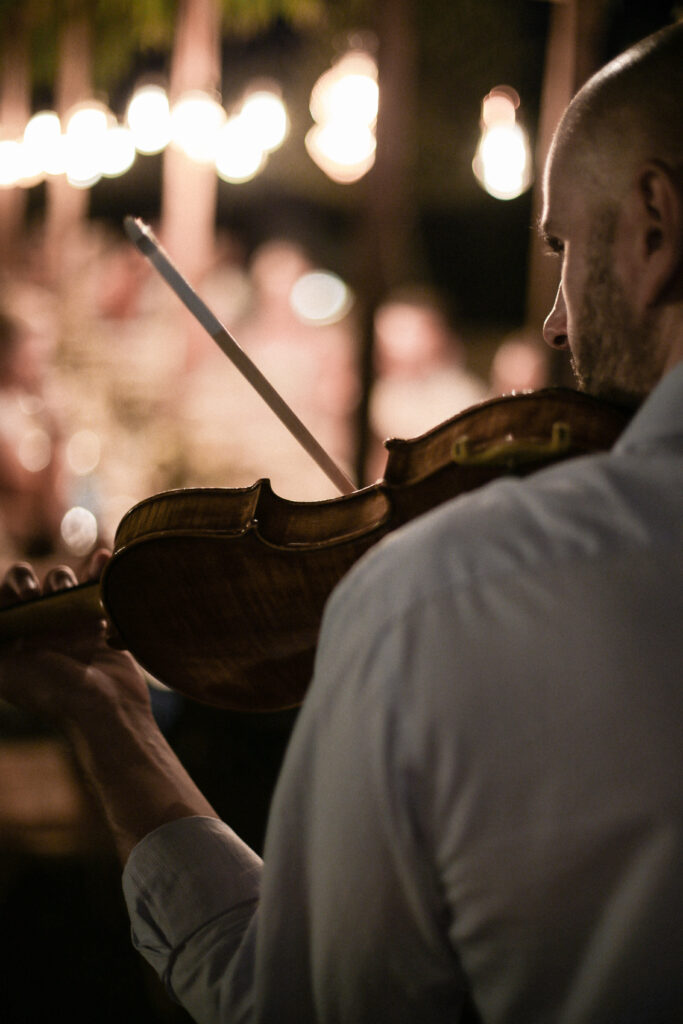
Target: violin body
{"type": "Point", "coordinates": [219, 594]}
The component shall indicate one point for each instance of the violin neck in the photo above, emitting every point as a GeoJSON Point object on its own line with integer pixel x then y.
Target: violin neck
{"type": "Point", "coordinates": [58, 614]}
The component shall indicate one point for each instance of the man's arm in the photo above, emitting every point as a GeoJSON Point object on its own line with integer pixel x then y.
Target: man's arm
{"type": "Point", "coordinates": [98, 696]}
{"type": "Point", "coordinates": [191, 887]}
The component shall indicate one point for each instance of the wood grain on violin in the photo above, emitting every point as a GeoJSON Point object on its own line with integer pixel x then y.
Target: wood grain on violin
{"type": "Point", "coordinates": [219, 593]}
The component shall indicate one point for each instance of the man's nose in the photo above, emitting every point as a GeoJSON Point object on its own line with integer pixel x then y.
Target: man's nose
{"type": "Point", "coordinates": [555, 325]}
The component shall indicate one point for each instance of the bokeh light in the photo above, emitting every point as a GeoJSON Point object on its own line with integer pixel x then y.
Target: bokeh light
{"type": "Point", "coordinates": [348, 91]}
{"type": "Point", "coordinates": [239, 157]}
{"type": "Point", "coordinates": [196, 120]}
{"type": "Point", "coordinates": [266, 115]}
{"type": "Point", "coordinates": [149, 118]}
{"type": "Point", "coordinates": [11, 163]}
{"type": "Point", "coordinates": [502, 163]}
{"type": "Point", "coordinates": [85, 133]}
{"type": "Point", "coordinates": [43, 141]}
{"type": "Point", "coordinates": [320, 297]}
{"type": "Point", "coordinates": [344, 104]}
{"type": "Point", "coordinates": [79, 530]}
{"type": "Point", "coordinates": [83, 451]}
{"type": "Point", "coordinates": [345, 152]}
{"type": "Point", "coordinates": [118, 151]}
{"type": "Point", "coordinates": [34, 450]}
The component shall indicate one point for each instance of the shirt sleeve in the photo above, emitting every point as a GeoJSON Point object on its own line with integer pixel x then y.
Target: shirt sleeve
{"type": "Point", "coordinates": [192, 890]}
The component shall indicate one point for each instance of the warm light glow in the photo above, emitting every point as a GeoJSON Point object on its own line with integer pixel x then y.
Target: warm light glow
{"type": "Point", "coordinates": [344, 152]}
{"type": "Point", "coordinates": [34, 450]}
{"type": "Point", "coordinates": [83, 452]}
{"type": "Point", "coordinates": [348, 91]}
{"type": "Point", "coordinates": [11, 163]}
{"type": "Point", "coordinates": [86, 131]}
{"type": "Point", "coordinates": [89, 120]}
{"type": "Point", "coordinates": [43, 140]}
{"type": "Point", "coordinates": [344, 104]}
{"type": "Point", "coordinates": [149, 118]}
{"type": "Point", "coordinates": [118, 152]}
{"type": "Point", "coordinates": [499, 107]}
{"type": "Point", "coordinates": [79, 530]}
{"type": "Point", "coordinates": [44, 127]}
{"type": "Point", "coordinates": [239, 157]}
{"type": "Point", "coordinates": [195, 122]}
{"type": "Point", "coordinates": [502, 163]}
{"type": "Point", "coordinates": [320, 297]}
{"type": "Point", "coordinates": [266, 115]}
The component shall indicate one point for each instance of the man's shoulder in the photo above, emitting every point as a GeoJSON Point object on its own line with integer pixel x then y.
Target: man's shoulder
{"type": "Point", "coordinates": [574, 511]}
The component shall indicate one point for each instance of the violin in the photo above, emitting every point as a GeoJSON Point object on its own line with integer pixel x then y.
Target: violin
{"type": "Point", "coordinates": [219, 593]}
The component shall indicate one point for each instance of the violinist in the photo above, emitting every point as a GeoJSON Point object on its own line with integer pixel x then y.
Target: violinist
{"type": "Point", "coordinates": [480, 812]}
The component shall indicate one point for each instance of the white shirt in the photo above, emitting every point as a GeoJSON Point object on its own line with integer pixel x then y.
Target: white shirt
{"type": "Point", "coordinates": [484, 787]}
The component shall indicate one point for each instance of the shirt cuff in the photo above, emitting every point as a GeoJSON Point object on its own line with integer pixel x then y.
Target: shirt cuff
{"type": "Point", "coordinates": [180, 877]}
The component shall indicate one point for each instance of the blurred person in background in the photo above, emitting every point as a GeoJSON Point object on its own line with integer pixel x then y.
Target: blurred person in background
{"type": "Point", "coordinates": [32, 498]}
{"type": "Point", "coordinates": [421, 376]}
{"type": "Point", "coordinates": [520, 363]}
{"type": "Point", "coordinates": [233, 437]}
{"type": "Point", "coordinates": [479, 815]}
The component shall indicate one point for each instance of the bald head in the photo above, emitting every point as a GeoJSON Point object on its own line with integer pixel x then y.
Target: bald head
{"type": "Point", "coordinates": [629, 112]}
{"type": "Point", "coordinates": [614, 211]}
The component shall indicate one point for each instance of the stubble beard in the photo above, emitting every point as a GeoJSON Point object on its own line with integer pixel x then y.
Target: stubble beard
{"type": "Point", "coordinates": [616, 357]}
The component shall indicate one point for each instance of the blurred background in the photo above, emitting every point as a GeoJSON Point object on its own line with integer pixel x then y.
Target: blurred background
{"type": "Point", "coordinates": [353, 188]}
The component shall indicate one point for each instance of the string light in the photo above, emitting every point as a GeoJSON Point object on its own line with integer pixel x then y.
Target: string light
{"type": "Point", "coordinates": [94, 144]}
{"type": "Point", "coordinates": [266, 115]}
{"type": "Point", "coordinates": [43, 141]}
{"type": "Point", "coordinates": [344, 104]}
{"type": "Point", "coordinates": [239, 157]}
{"type": "Point", "coordinates": [149, 118]}
{"type": "Point", "coordinates": [502, 163]}
{"type": "Point", "coordinates": [196, 120]}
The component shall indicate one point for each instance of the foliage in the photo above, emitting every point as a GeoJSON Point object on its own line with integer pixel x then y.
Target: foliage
{"type": "Point", "coordinates": [120, 29]}
{"type": "Point", "coordinates": [246, 17]}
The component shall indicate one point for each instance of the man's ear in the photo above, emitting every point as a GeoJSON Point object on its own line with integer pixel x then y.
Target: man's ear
{"type": "Point", "coordinates": [658, 210]}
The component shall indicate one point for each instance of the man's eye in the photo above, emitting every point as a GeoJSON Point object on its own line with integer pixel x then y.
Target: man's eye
{"type": "Point", "coordinates": [555, 246]}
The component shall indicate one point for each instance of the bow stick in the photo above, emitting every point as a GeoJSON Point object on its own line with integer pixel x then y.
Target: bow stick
{"type": "Point", "coordinates": [142, 236]}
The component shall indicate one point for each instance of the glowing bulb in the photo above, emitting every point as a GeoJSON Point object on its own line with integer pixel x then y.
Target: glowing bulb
{"type": "Point", "coordinates": [43, 140]}
{"type": "Point", "coordinates": [88, 121]}
{"type": "Point", "coordinates": [499, 106]}
{"type": "Point", "coordinates": [347, 91]}
{"type": "Point", "coordinates": [86, 130]}
{"type": "Point", "coordinates": [344, 152]}
{"type": "Point", "coordinates": [19, 165]}
{"type": "Point", "coordinates": [79, 530]}
{"type": "Point", "coordinates": [320, 297]}
{"type": "Point", "coordinates": [239, 157]}
{"type": "Point", "coordinates": [118, 152]}
{"type": "Point", "coordinates": [149, 118]}
{"type": "Point", "coordinates": [195, 122]}
{"type": "Point", "coordinates": [266, 115]}
{"type": "Point", "coordinates": [502, 162]}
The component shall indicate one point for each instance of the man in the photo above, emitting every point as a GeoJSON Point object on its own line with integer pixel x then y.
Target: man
{"type": "Point", "coordinates": [481, 803]}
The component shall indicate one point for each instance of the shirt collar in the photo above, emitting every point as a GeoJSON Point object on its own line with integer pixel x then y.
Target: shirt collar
{"type": "Point", "coordinates": [660, 415]}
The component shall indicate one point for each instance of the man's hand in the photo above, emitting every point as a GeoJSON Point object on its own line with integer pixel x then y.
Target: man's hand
{"type": "Point", "coordinates": [67, 675]}
{"type": "Point", "coordinates": [99, 696]}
